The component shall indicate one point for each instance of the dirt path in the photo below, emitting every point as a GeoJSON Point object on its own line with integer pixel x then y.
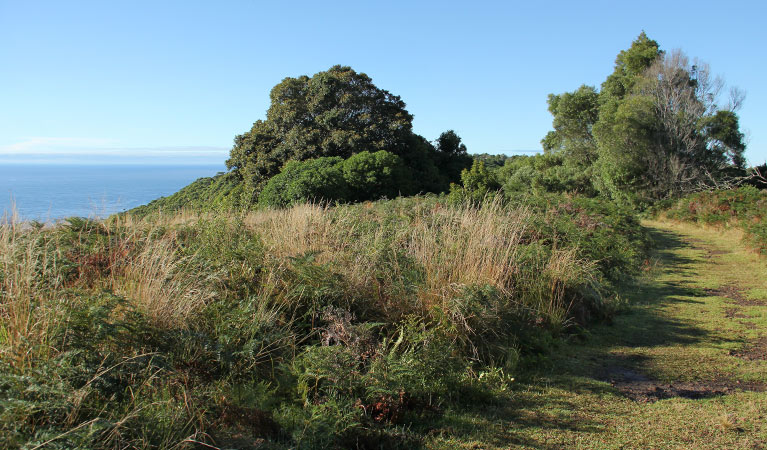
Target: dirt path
{"type": "Point", "coordinates": [712, 287]}
{"type": "Point", "coordinates": [684, 366]}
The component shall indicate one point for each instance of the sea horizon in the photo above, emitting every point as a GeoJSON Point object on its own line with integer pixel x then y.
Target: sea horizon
{"type": "Point", "coordinates": [48, 192]}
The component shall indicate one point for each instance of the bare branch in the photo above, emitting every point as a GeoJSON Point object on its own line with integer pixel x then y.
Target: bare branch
{"type": "Point", "coordinates": [737, 97]}
{"type": "Point", "coordinates": [684, 158]}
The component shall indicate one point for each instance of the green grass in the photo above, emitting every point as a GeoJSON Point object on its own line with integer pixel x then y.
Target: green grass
{"type": "Point", "coordinates": [397, 324]}
{"type": "Point", "coordinates": [674, 330]}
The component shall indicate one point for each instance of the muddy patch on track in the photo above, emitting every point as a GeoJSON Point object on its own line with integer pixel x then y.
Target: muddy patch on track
{"type": "Point", "coordinates": [748, 302]}
{"type": "Point", "coordinates": [735, 296]}
{"type": "Point", "coordinates": [734, 313]}
{"type": "Point", "coordinates": [642, 389]}
{"type": "Point", "coordinates": [698, 244]}
{"type": "Point", "coordinates": [754, 351]}
{"type": "Point", "coordinates": [711, 253]}
{"type": "Point", "coordinates": [730, 292]}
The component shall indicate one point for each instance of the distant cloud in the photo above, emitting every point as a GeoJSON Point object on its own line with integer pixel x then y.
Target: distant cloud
{"type": "Point", "coordinates": [69, 150]}
{"type": "Point", "coordinates": [48, 145]}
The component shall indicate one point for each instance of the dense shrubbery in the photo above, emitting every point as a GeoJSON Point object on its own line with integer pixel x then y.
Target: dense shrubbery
{"type": "Point", "coordinates": [544, 173]}
{"type": "Point", "coordinates": [477, 184]}
{"type": "Point", "coordinates": [305, 327]}
{"type": "Point", "coordinates": [745, 207]}
{"type": "Point", "coordinates": [314, 179]}
{"type": "Point", "coordinates": [363, 176]}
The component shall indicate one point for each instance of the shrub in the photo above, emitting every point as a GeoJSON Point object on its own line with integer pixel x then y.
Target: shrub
{"type": "Point", "coordinates": [363, 176]}
{"type": "Point", "coordinates": [374, 175]}
{"type": "Point", "coordinates": [477, 183]}
{"type": "Point", "coordinates": [744, 207]}
{"type": "Point", "coordinates": [313, 179]}
{"type": "Point", "coordinates": [544, 173]}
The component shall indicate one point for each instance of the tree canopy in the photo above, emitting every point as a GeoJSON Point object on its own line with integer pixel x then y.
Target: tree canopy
{"type": "Point", "coordinates": [654, 130]}
{"type": "Point", "coordinates": [339, 113]}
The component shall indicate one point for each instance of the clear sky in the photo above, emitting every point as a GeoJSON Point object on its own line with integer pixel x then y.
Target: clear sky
{"type": "Point", "coordinates": [176, 80]}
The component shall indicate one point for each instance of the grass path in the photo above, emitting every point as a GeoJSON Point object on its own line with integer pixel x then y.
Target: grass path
{"type": "Point", "coordinates": [683, 367]}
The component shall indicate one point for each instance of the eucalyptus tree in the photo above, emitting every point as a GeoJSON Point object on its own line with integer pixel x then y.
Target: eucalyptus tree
{"type": "Point", "coordinates": [668, 135]}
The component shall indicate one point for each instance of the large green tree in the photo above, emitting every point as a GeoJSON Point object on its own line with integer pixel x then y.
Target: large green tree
{"type": "Point", "coordinates": [452, 157]}
{"type": "Point", "coordinates": [653, 130]}
{"type": "Point", "coordinates": [575, 114]}
{"type": "Point", "coordinates": [339, 113]}
{"type": "Point", "coordinates": [667, 135]}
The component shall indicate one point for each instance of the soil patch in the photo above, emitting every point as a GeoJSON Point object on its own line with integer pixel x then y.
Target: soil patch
{"type": "Point", "coordinates": [746, 302]}
{"type": "Point", "coordinates": [755, 350]}
{"type": "Point", "coordinates": [698, 244]}
{"type": "Point", "coordinates": [734, 313]}
{"type": "Point", "coordinates": [731, 292]}
{"type": "Point", "coordinates": [642, 389]}
{"type": "Point", "coordinates": [748, 324]}
{"type": "Point", "coordinates": [716, 253]}
{"type": "Point", "coordinates": [735, 295]}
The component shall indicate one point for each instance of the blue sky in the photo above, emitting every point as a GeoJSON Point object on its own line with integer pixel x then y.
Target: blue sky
{"type": "Point", "coordinates": [175, 81]}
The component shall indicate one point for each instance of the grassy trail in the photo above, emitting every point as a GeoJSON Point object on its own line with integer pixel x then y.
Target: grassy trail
{"type": "Point", "coordinates": [683, 367]}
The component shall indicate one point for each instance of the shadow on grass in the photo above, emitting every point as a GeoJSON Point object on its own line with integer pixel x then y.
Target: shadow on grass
{"type": "Point", "coordinates": [529, 418]}
{"type": "Point", "coordinates": [645, 323]}
{"type": "Point", "coordinates": [649, 325]}
{"type": "Point", "coordinates": [547, 400]}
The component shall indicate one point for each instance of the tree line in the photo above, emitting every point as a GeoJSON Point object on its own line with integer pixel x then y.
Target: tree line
{"type": "Point", "coordinates": [658, 127]}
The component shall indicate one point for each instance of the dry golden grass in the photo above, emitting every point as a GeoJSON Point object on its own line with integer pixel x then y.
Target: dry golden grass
{"type": "Point", "coordinates": [453, 246]}
{"type": "Point", "coordinates": [163, 284]}
{"type": "Point", "coordinates": [23, 315]}
{"type": "Point", "coordinates": [32, 288]}
{"type": "Point", "coordinates": [457, 246]}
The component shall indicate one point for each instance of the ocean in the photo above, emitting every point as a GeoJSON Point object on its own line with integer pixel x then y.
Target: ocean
{"type": "Point", "coordinates": [50, 192]}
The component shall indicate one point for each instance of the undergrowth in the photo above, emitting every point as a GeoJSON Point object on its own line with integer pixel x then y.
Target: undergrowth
{"type": "Point", "coordinates": [305, 327]}
{"type": "Point", "coordinates": [744, 207]}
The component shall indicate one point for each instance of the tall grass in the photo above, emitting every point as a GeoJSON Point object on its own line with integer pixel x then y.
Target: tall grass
{"type": "Point", "coordinates": [41, 265]}
{"type": "Point", "coordinates": [28, 277]}
{"type": "Point", "coordinates": [319, 324]}
{"type": "Point", "coordinates": [454, 246]}
{"type": "Point", "coordinates": [160, 282]}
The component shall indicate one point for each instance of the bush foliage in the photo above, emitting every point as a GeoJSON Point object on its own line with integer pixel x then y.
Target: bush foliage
{"type": "Point", "coordinates": [303, 327]}
{"type": "Point", "coordinates": [363, 176]}
{"type": "Point", "coordinates": [745, 208]}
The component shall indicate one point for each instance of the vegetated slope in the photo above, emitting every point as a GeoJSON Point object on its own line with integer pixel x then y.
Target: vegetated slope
{"type": "Point", "coordinates": [305, 327]}
{"type": "Point", "coordinates": [683, 366]}
{"type": "Point", "coordinates": [222, 192]}
{"type": "Point", "coordinates": [744, 208]}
